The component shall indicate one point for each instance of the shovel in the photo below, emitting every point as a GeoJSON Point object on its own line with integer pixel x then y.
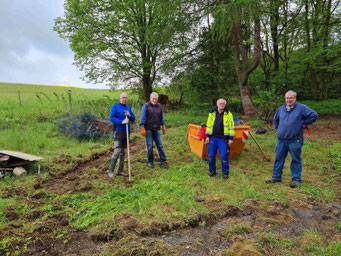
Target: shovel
{"type": "Point", "coordinates": [127, 133]}
{"type": "Point", "coordinates": [265, 157]}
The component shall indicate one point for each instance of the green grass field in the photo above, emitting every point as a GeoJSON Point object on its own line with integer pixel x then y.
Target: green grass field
{"type": "Point", "coordinates": [73, 201]}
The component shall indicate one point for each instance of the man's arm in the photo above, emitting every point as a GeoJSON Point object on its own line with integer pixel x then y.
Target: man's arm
{"type": "Point", "coordinates": [132, 116]}
{"type": "Point", "coordinates": [143, 116]}
{"type": "Point", "coordinates": [162, 119]}
{"type": "Point", "coordinates": [113, 115]}
{"type": "Point", "coordinates": [309, 115]}
{"type": "Point", "coordinates": [276, 119]}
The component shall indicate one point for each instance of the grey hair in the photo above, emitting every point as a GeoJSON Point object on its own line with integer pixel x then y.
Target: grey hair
{"type": "Point", "coordinates": [123, 93]}
{"type": "Point", "coordinates": [221, 99]}
{"type": "Point", "coordinates": [154, 95]}
{"type": "Point", "coordinates": [291, 92]}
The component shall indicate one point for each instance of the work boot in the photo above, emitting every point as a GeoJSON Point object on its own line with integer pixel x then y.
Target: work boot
{"type": "Point", "coordinates": [272, 181]}
{"type": "Point", "coordinates": [164, 165]}
{"type": "Point", "coordinates": [120, 168]}
{"type": "Point", "coordinates": [112, 165]}
{"type": "Point", "coordinates": [150, 165]}
{"type": "Point", "coordinates": [225, 176]}
{"type": "Point", "coordinates": [293, 184]}
{"type": "Point", "coordinates": [211, 173]}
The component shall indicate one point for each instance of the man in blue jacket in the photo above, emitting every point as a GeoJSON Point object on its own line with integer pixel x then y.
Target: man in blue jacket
{"type": "Point", "coordinates": [151, 121]}
{"type": "Point", "coordinates": [120, 115]}
{"type": "Point", "coordinates": [290, 121]}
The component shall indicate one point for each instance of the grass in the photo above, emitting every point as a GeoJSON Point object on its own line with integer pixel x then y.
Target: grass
{"type": "Point", "coordinates": [179, 195]}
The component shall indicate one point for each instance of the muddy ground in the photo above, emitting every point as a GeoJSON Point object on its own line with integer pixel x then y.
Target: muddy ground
{"type": "Point", "coordinates": [234, 231]}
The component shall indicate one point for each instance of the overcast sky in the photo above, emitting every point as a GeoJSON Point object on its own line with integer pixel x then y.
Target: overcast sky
{"type": "Point", "coordinates": [30, 51]}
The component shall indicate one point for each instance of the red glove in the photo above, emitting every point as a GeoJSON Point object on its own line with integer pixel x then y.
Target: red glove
{"type": "Point", "coordinates": [143, 131]}
{"type": "Point", "coordinates": [164, 129]}
{"type": "Point", "coordinates": [306, 127]}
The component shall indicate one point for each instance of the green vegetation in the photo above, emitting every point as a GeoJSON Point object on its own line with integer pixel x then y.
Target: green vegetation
{"type": "Point", "coordinates": [158, 199]}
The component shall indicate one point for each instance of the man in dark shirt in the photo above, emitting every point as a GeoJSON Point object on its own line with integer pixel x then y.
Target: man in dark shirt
{"type": "Point", "coordinates": [151, 120]}
{"type": "Point", "coordinates": [220, 134]}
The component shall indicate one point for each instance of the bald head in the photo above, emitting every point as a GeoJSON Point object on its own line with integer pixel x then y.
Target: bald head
{"type": "Point", "coordinates": [124, 98]}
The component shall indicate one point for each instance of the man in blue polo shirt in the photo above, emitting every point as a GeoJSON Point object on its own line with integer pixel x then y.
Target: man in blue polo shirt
{"type": "Point", "coordinates": [290, 121]}
{"type": "Point", "coordinates": [120, 115]}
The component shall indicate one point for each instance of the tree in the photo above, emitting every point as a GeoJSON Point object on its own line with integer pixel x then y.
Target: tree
{"type": "Point", "coordinates": [125, 41]}
{"type": "Point", "coordinates": [241, 19]}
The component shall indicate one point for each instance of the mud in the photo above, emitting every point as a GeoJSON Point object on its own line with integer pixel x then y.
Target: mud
{"type": "Point", "coordinates": [205, 235]}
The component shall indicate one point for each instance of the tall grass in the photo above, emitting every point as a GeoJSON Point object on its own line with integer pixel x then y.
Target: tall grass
{"type": "Point", "coordinates": [29, 126]}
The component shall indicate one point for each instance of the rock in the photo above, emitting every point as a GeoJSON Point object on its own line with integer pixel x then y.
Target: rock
{"type": "Point", "coordinates": [19, 171]}
{"type": "Point", "coordinates": [301, 214]}
{"type": "Point", "coordinates": [248, 217]}
{"type": "Point", "coordinates": [336, 205]}
{"type": "Point", "coordinates": [261, 131]}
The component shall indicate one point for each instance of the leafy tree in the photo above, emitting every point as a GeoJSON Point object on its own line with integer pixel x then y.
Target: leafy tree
{"type": "Point", "coordinates": [242, 20]}
{"type": "Point", "coordinates": [132, 41]}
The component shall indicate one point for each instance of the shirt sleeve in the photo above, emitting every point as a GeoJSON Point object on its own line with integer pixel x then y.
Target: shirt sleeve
{"type": "Point", "coordinates": [309, 116]}
{"type": "Point", "coordinates": [132, 116]}
{"type": "Point", "coordinates": [113, 115]}
{"type": "Point", "coordinates": [276, 119]}
{"type": "Point", "coordinates": [162, 119]}
{"type": "Point", "coordinates": [143, 116]}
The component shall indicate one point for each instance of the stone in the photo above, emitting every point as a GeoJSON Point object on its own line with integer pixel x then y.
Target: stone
{"type": "Point", "coordinates": [301, 214]}
{"type": "Point", "coordinates": [19, 171]}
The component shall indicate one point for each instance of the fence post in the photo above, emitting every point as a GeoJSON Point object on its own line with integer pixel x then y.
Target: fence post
{"type": "Point", "coordinates": [19, 97]}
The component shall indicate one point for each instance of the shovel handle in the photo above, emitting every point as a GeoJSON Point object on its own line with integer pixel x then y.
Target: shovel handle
{"type": "Point", "coordinates": [265, 157]}
{"type": "Point", "coordinates": [129, 170]}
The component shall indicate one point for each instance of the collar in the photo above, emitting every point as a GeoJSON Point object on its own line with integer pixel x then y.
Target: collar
{"type": "Point", "coordinates": [287, 108]}
{"type": "Point", "coordinates": [216, 110]}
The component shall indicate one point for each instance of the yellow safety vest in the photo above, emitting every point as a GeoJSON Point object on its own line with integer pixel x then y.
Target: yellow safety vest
{"type": "Point", "coordinates": [228, 124]}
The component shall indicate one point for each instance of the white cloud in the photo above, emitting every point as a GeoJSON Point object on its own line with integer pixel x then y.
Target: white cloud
{"type": "Point", "coordinates": [30, 51]}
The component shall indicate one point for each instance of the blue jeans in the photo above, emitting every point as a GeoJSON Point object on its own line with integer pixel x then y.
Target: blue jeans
{"type": "Point", "coordinates": [214, 144]}
{"type": "Point", "coordinates": [155, 135]}
{"type": "Point", "coordinates": [295, 150]}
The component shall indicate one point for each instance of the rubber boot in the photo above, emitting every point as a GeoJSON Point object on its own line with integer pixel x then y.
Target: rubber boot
{"type": "Point", "coordinates": [112, 165]}
{"type": "Point", "coordinates": [120, 168]}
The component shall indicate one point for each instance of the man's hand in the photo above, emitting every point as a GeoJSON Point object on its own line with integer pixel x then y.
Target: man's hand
{"type": "Point", "coordinates": [143, 131]}
{"type": "Point", "coordinates": [125, 121]}
{"type": "Point", "coordinates": [164, 129]}
{"type": "Point", "coordinates": [126, 113]}
{"type": "Point", "coordinates": [230, 142]}
{"type": "Point", "coordinates": [207, 140]}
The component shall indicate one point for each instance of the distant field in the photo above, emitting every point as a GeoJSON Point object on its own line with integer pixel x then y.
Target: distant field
{"type": "Point", "coordinates": [29, 126]}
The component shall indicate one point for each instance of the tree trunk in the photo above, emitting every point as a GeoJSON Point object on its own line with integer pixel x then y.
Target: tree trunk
{"type": "Point", "coordinates": [274, 21]}
{"type": "Point", "coordinates": [243, 66]}
{"type": "Point", "coordinates": [245, 95]}
{"type": "Point", "coordinates": [147, 87]}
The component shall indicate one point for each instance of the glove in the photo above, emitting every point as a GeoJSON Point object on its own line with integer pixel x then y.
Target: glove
{"type": "Point", "coordinates": [126, 113]}
{"type": "Point", "coordinates": [125, 121]}
{"type": "Point", "coordinates": [164, 129]}
{"type": "Point", "coordinates": [306, 127]}
{"type": "Point", "coordinates": [227, 150]}
{"type": "Point", "coordinates": [143, 131]}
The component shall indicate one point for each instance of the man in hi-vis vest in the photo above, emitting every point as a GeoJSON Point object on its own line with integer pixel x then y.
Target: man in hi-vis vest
{"type": "Point", "coordinates": [220, 134]}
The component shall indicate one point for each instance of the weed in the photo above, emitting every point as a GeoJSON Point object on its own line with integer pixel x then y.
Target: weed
{"type": "Point", "coordinates": [237, 229]}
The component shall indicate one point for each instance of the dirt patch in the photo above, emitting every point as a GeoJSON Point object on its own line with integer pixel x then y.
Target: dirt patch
{"type": "Point", "coordinates": [230, 230]}
{"type": "Point", "coordinates": [325, 128]}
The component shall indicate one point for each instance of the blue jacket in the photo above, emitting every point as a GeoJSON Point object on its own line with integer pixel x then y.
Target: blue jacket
{"type": "Point", "coordinates": [117, 116]}
{"type": "Point", "coordinates": [288, 124]}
